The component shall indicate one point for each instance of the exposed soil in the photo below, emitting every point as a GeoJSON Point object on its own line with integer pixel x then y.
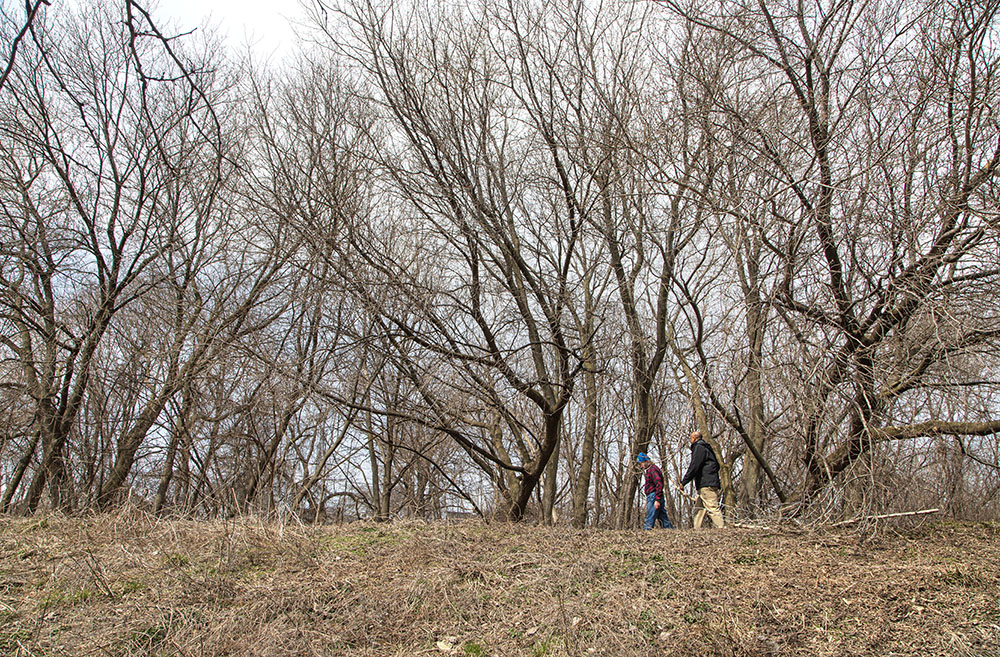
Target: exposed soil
{"type": "Point", "coordinates": [131, 585]}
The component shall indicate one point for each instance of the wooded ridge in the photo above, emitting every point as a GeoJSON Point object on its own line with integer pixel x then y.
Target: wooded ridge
{"type": "Point", "coordinates": [474, 257]}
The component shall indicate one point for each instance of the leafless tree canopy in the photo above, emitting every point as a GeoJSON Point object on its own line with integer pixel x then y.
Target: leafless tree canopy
{"type": "Point", "coordinates": [472, 258]}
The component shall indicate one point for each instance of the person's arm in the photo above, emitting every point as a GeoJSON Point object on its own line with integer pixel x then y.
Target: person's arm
{"type": "Point", "coordinates": [697, 459]}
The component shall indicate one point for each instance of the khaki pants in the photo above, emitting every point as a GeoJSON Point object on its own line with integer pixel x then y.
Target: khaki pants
{"type": "Point", "coordinates": [708, 502]}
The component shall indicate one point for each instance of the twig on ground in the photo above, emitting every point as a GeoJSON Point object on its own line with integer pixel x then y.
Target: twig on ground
{"type": "Point", "coordinates": [883, 517]}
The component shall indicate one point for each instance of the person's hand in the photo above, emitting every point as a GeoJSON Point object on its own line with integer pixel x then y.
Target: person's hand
{"type": "Point", "coordinates": [656, 504]}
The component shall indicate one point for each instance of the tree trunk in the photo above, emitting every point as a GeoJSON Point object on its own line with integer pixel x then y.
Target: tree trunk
{"type": "Point", "coordinates": [18, 475]}
{"type": "Point", "coordinates": [581, 494]}
{"type": "Point", "coordinates": [373, 464]}
{"type": "Point", "coordinates": [130, 444]}
{"type": "Point", "coordinates": [751, 479]}
{"type": "Point", "coordinates": [640, 443]}
{"type": "Point", "coordinates": [701, 419]}
{"type": "Point", "coordinates": [52, 438]}
{"type": "Point", "coordinates": [551, 485]}
{"type": "Point", "coordinates": [182, 429]}
{"type": "Point", "coordinates": [388, 461]}
{"type": "Point", "coordinates": [521, 495]}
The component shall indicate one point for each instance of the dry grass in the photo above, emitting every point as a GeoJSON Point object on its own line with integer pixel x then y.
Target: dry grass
{"type": "Point", "coordinates": [131, 585]}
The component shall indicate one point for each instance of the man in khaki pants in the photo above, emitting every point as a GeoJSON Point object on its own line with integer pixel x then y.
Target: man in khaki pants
{"type": "Point", "coordinates": [704, 469]}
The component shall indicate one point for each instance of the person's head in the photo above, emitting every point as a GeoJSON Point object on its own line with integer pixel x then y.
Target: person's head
{"type": "Point", "coordinates": [695, 437]}
{"type": "Point", "coordinates": [643, 460]}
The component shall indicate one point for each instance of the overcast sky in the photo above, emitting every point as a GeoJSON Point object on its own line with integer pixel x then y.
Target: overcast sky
{"type": "Point", "coordinates": [262, 23]}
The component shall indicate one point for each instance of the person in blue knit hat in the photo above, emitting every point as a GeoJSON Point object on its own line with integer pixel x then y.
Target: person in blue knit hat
{"type": "Point", "coordinates": [655, 504]}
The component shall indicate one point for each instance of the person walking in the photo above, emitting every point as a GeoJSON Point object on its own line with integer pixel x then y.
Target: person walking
{"type": "Point", "coordinates": [655, 504]}
{"type": "Point", "coordinates": [704, 470]}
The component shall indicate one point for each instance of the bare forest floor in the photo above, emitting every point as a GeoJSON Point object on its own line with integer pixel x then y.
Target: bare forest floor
{"type": "Point", "coordinates": [130, 585]}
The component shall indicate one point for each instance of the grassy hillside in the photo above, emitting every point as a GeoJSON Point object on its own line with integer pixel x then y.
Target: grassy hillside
{"type": "Point", "coordinates": [131, 585]}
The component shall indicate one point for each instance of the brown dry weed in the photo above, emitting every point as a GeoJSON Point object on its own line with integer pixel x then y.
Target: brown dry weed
{"type": "Point", "coordinates": [129, 584]}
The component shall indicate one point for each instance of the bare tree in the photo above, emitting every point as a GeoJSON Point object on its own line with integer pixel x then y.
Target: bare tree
{"type": "Point", "coordinates": [474, 257]}
{"type": "Point", "coordinates": [87, 166]}
{"type": "Point", "coordinates": [485, 227]}
{"type": "Point", "coordinates": [15, 30]}
{"type": "Point", "coordinates": [882, 160]}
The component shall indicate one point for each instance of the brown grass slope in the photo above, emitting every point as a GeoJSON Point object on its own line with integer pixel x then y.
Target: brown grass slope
{"type": "Point", "coordinates": [131, 585]}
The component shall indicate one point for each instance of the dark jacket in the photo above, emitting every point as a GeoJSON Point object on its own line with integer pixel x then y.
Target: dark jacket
{"type": "Point", "coordinates": [704, 468]}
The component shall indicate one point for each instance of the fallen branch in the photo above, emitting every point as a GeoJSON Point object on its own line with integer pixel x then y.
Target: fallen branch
{"type": "Point", "coordinates": [888, 515]}
{"type": "Point", "coordinates": [744, 525]}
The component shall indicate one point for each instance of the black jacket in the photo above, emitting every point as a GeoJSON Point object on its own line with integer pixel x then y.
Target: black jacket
{"type": "Point", "coordinates": [704, 468]}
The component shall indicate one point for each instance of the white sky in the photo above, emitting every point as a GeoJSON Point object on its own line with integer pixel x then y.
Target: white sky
{"type": "Point", "coordinates": [262, 23]}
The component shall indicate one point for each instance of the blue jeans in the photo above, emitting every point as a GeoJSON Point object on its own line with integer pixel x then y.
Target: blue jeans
{"type": "Point", "coordinates": [653, 514]}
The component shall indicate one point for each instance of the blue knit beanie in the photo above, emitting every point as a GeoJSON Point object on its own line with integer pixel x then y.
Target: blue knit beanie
{"type": "Point", "coordinates": [642, 457]}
